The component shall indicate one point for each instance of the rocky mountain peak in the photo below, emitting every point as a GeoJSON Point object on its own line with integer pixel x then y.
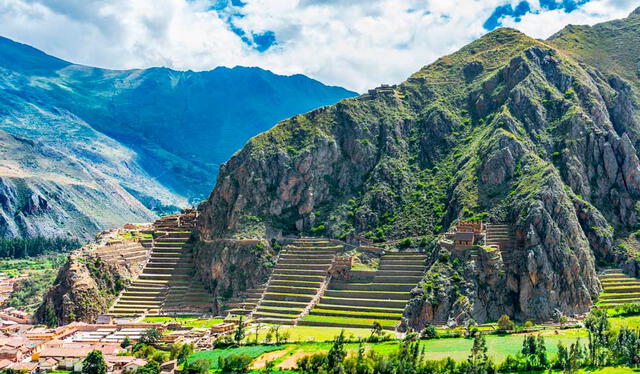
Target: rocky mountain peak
{"type": "Point", "coordinates": [526, 133]}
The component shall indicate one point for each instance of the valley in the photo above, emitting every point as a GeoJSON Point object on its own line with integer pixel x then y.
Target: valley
{"type": "Point", "coordinates": [479, 217]}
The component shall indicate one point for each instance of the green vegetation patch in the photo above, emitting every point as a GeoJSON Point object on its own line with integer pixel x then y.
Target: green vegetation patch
{"type": "Point", "coordinates": [349, 320]}
{"type": "Point", "coordinates": [251, 351]}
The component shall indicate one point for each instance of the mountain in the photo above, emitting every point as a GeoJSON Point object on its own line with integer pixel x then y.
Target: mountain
{"type": "Point", "coordinates": [142, 141]}
{"type": "Point", "coordinates": [541, 136]}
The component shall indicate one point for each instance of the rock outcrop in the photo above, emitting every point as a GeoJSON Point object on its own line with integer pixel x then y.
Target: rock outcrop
{"type": "Point", "coordinates": [508, 129]}
{"type": "Point", "coordinates": [228, 267]}
{"type": "Point", "coordinates": [90, 280]}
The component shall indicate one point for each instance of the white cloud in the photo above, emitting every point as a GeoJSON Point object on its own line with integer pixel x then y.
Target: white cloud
{"type": "Point", "coordinates": [353, 43]}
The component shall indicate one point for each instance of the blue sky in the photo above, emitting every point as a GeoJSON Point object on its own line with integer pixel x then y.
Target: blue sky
{"type": "Point", "coordinates": [357, 44]}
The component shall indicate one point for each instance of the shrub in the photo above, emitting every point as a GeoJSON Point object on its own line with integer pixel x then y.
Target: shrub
{"type": "Point", "coordinates": [505, 323]}
{"type": "Point", "coordinates": [150, 336]}
{"type": "Point", "coordinates": [429, 332]}
{"type": "Point", "coordinates": [235, 363]}
{"type": "Point", "coordinates": [200, 366]}
{"type": "Point", "coordinates": [405, 243]}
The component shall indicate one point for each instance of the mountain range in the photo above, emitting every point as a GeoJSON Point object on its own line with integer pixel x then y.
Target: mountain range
{"type": "Point", "coordinates": [539, 136]}
{"type": "Point", "coordinates": [84, 148]}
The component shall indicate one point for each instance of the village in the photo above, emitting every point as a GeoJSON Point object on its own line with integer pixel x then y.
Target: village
{"type": "Point", "coordinates": [29, 348]}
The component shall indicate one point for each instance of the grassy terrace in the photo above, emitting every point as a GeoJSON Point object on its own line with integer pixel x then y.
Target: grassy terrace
{"type": "Point", "coordinates": [190, 321]}
{"type": "Point", "coordinates": [295, 280]}
{"type": "Point", "coordinates": [321, 311]}
{"type": "Point", "coordinates": [618, 288]}
{"type": "Point", "coordinates": [349, 321]}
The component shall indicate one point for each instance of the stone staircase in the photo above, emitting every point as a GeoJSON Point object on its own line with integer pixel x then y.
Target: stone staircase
{"type": "Point", "coordinates": [360, 304]}
{"type": "Point", "coordinates": [166, 284]}
{"type": "Point", "coordinates": [503, 237]}
{"type": "Point", "coordinates": [300, 272]}
{"type": "Point", "coordinates": [245, 302]}
{"type": "Point", "coordinates": [618, 289]}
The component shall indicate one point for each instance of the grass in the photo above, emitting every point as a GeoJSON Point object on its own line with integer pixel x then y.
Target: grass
{"type": "Point", "coordinates": [349, 320]}
{"type": "Point", "coordinates": [190, 321]}
{"type": "Point", "coordinates": [251, 351]}
{"type": "Point", "coordinates": [355, 313]}
{"type": "Point", "coordinates": [363, 267]}
{"type": "Point", "coordinates": [311, 333]}
{"type": "Point", "coordinates": [318, 340]}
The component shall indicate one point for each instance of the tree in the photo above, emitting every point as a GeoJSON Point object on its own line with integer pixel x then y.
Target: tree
{"type": "Point", "coordinates": [258, 327]}
{"type": "Point", "coordinates": [336, 354]}
{"type": "Point", "coordinates": [180, 352]}
{"type": "Point", "coordinates": [150, 336]}
{"type": "Point", "coordinates": [94, 363]}
{"type": "Point", "coordinates": [505, 323]}
{"type": "Point", "coordinates": [479, 362]}
{"type": "Point", "coordinates": [235, 363]}
{"type": "Point", "coordinates": [429, 332]}
{"type": "Point", "coordinates": [200, 366]}
{"type": "Point", "coordinates": [50, 318]}
{"type": "Point", "coordinates": [151, 367]}
{"type": "Point", "coordinates": [597, 325]}
{"type": "Point", "coordinates": [376, 329]}
{"type": "Point", "coordinates": [126, 342]}
{"type": "Point", "coordinates": [239, 333]}
{"type": "Point", "coordinates": [534, 352]}
{"type": "Point", "coordinates": [471, 327]}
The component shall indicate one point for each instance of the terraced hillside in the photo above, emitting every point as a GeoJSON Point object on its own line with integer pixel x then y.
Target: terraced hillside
{"type": "Point", "coordinates": [618, 288]}
{"type": "Point", "coordinates": [359, 304]}
{"type": "Point", "coordinates": [122, 253]}
{"type": "Point", "coordinates": [244, 303]}
{"type": "Point", "coordinates": [503, 237]}
{"type": "Point", "coordinates": [166, 284]}
{"type": "Point", "coordinates": [300, 275]}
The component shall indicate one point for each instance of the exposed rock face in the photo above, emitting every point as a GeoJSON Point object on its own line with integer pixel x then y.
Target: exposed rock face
{"type": "Point", "coordinates": [508, 129]}
{"type": "Point", "coordinates": [46, 192]}
{"type": "Point", "coordinates": [228, 267]}
{"type": "Point", "coordinates": [87, 285]}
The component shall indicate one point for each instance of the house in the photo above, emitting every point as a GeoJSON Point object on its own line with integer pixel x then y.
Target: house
{"type": "Point", "coordinates": [25, 367]}
{"type": "Point", "coordinates": [168, 367]}
{"type": "Point", "coordinates": [10, 353]}
{"type": "Point", "coordinates": [68, 358]}
{"type": "Point", "coordinates": [4, 363]}
{"type": "Point", "coordinates": [220, 328]}
{"type": "Point", "coordinates": [135, 364]}
{"type": "Point", "coordinates": [477, 227]}
{"type": "Point", "coordinates": [48, 365]}
{"type": "Point", "coordinates": [463, 238]}
{"type": "Point", "coordinates": [105, 319]}
{"type": "Point", "coordinates": [124, 363]}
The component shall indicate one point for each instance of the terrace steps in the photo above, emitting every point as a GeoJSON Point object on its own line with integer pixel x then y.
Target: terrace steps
{"type": "Point", "coordinates": [296, 280]}
{"type": "Point", "coordinates": [166, 283]}
{"type": "Point", "coordinates": [618, 288]}
{"type": "Point", "coordinates": [357, 304]}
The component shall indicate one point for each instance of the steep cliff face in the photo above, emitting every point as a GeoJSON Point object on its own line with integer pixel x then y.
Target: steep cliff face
{"type": "Point", "coordinates": [508, 129]}
{"type": "Point", "coordinates": [228, 267]}
{"type": "Point", "coordinates": [89, 282]}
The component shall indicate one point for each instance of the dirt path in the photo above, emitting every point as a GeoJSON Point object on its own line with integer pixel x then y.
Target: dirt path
{"type": "Point", "coordinates": [290, 362]}
{"type": "Point", "coordinates": [261, 361]}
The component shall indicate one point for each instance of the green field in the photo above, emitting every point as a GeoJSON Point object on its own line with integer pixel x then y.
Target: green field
{"type": "Point", "coordinates": [436, 349]}
{"type": "Point", "coordinates": [310, 333]}
{"type": "Point", "coordinates": [347, 320]}
{"type": "Point", "coordinates": [190, 321]}
{"type": "Point", "coordinates": [252, 351]}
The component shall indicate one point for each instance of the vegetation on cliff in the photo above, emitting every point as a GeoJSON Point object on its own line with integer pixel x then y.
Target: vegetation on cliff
{"type": "Point", "coordinates": [508, 129]}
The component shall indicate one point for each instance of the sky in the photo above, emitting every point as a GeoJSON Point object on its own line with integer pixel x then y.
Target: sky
{"type": "Point", "coordinates": [357, 44]}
